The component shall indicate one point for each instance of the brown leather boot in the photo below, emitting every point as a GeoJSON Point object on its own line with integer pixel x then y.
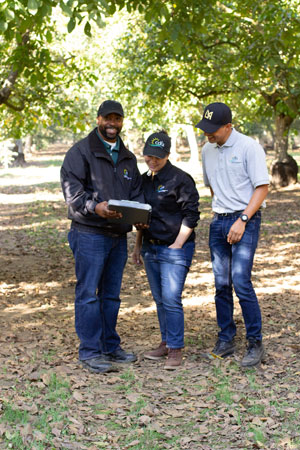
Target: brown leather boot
{"type": "Point", "coordinates": [174, 359]}
{"type": "Point", "coordinates": [158, 353]}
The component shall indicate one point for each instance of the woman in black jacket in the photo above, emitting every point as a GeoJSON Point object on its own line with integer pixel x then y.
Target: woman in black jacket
{"type": "Point", "coordinates": [167, 246]}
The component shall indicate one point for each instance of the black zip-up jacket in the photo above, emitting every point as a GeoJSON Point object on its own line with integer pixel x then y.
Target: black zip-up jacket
{"type": "Point", "coordinates": [89, 176]}
{"type": "Point", "coordinates": [174, 199]}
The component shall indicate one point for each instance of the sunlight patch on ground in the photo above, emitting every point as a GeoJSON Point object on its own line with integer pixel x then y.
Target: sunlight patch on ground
{"type": "Point", "coordinates": [27, 176]}
{"type": "Point", "coordinates": [198, 300]}
{"type": "Point", "coordinates": [23, 308]}
{"type": "Point", "coordinates": [281, 332]}
{"type": "Point", "coordinates": [19, 199]}
{"type": "Point", "coordinates": [30, 176]}
{"type": "Point", "coordinates": [30, 287]}
{"type": "Point", "coordinates": [5, 287]}
{"type": "Point", "coordinates": [33, 225]}
{"type": "Point", "coordinates": [187, 302]}
{"type": "Point", "coordinates": [277, 288]}
{"type": "Point", "coordinates": [196, 278]}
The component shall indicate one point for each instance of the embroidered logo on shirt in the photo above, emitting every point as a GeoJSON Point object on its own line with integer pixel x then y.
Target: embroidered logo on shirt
{"type": "Point", "coordinates": [126, 175]}
{"type": "Point", "coordinates": [161, 188]}
{"type": "Point", "coordinates": [234, 159]}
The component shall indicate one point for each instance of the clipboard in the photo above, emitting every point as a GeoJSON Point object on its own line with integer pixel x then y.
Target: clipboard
{"type": "Point", "coordinates": [132, 212]}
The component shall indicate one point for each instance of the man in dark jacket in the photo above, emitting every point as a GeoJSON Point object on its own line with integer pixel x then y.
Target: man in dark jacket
{"type": "Point", "coordinates": [96, 169]}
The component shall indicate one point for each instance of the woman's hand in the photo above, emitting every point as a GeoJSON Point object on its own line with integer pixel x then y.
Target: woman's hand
{"type": "Point", "coordinates": [136, 256]}
{"type": "Point", "coordinates": [182, 237]}
{"type": "Point", "coordinates": [174, 245]}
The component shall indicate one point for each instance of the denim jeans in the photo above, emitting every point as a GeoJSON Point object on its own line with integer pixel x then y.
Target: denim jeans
{"type": "Point", "coordinates": [167, 269]}
{"type": "Point", "coordinates": [99, 265]}
{"type": "Point", "coordinates": [232, 265]}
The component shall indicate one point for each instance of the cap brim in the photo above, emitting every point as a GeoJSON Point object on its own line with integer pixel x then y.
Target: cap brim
{"type": "Point", "coordinates": [207, 126]}
{"type": "Point", "coordinates": [155, 151]}
{"type": "Point", "coordinates": [105, 113]}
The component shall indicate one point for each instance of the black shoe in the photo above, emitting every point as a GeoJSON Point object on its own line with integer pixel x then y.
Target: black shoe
{"type": "Point", "coordinates": [120, 356]}
{"type": "Point", "coordinates": [223, 348]}
{"type": "Point", "coordinates": [97, 365]}
{"type": "Point", "coordinates": [254, 354]}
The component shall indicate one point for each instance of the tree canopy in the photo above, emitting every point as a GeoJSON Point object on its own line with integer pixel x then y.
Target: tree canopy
{"type": "Point", "coordinates": [35, 73]}
{"type": "Point", "coordinates": [243, 52]}
{"type": "Point", "coordinates": [249, 50]}
{"type": "Point", "coordinates": [174, 57]}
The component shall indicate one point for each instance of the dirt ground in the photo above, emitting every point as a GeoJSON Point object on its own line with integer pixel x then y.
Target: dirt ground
{"type": "Point", "coordinates": [37, 330]}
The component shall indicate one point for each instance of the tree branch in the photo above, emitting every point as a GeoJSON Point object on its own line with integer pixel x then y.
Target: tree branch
{"type": "Point", "coordinates": [10, 81]}
{"type": "Point", "coordinates": [271, 99]}
{"type": "Point", "coordinates": [14, 107]}
{"type": "Point", "coordinates": [8, 84]}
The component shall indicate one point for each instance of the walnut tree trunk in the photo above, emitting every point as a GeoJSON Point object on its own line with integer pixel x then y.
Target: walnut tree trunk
{"type": "Point", "coordinates": [284, 169]}
{"type": "Point", "coordinates": [18, 155]}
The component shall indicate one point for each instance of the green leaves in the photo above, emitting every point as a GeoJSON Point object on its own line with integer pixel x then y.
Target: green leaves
{"type": "Point", "coordinates": [87, 29]}
{"type": "Point", "coordinates": [71, 25]}
{"type": "Point", "coordinates": [33, 6]}
{"type": "Point", "coordinates": [66, 8]}
{"type": "Point", "coordinates": [3, 25]}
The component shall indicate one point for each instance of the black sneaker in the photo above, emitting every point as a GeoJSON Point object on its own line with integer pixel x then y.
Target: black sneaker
{"type": "Point", "coordinates": [254, 354]}
{"type": "Point", "coordinates": [120, 356]}
{"type": "Point", "coordinates": [223, 348]}
{"type": "Point", "coordinates": [97, 365]}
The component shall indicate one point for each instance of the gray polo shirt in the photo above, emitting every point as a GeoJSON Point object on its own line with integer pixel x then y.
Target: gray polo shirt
{"type": "Point", "coordinates": [233, 171]}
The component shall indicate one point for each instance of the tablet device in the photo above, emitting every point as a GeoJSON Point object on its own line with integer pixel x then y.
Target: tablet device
{"type": "Point", "coordinates": [132, 212]}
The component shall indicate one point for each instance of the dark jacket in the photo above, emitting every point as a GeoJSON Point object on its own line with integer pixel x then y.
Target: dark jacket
{"type": "Point", "coordinates": [174, 199]}
{"type": "Point", "coordinates": [89, 176]}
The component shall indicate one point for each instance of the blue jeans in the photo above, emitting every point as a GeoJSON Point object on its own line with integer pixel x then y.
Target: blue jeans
{"type": "Point", "coordinates": [99, 265]}
{"type": "Point", "coordinates": [167, 269]}
{"type": "Point", "coordinates": [232, 265]}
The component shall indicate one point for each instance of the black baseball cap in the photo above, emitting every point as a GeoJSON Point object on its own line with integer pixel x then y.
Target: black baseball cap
{"type": "Point", "coordinates": [158, 145]}
{"type": "Point", "coordinates": [214, 117]}
{"type": "Point", "coordinates": [110, 106]}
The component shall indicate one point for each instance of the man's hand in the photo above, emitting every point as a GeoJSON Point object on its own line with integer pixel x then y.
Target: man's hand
{"type": "Point", "coordinates": [236, 231]}
{"type": "Point", "coordinates": [141, 226]}
{"type": "Point", "coordinates": [102, 210]}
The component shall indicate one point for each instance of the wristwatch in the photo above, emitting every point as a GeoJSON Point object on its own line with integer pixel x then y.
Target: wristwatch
{"type": "Point", "coordinates": [244, 218]}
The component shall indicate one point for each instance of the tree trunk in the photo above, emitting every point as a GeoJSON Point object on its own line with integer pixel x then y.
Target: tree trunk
{"type": "Point", "coordinates": [284, 169]}
{"type": "Point", "coordinates": [174, 156]}
{"type": "Point", "coordinates": [18, 156]}
{"type": "Point", "coordinates": [28, 145]}
{"type": "Point", "coordinates": [194, 159]}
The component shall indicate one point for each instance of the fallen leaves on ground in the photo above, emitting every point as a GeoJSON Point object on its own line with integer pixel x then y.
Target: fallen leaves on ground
{"type": "Point", "coordinates": [46, 396]}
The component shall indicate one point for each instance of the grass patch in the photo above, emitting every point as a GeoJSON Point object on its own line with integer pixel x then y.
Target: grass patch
{"type": "Point", "coordinates": [52, 404]}
{"type": "Point", "coordinates": [13, 415]}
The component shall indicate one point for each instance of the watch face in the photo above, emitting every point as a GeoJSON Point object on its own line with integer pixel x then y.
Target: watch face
{"type": "Point", "coordinates": [244, 217]}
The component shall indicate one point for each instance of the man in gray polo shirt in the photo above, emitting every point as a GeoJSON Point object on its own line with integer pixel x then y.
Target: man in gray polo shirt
{"type": "Point", "coordinates": [235, 170]}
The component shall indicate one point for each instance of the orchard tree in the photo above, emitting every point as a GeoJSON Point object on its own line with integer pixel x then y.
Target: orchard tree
{"type": "Point", "coordinates": [36, 75]}
{"type": "Point", "coordinates": [26, 27]}
{"type": "Point", "coordinates": [244, 52]}
{"type": "Point", "coordinates": [39, 72]}
{"type": "Point", "coordinates": [185, 52]}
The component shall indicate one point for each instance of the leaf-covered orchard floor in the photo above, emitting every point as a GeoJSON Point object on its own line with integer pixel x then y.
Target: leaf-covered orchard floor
{"type": "Point", "coordinates": [48, 401]}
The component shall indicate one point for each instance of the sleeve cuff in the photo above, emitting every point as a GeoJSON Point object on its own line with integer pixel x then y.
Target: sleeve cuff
{"type": "Point", "coordinates": [90, 206]}
{"type": "Point", "coordinates": [189, 223]}
{"type": "Point", "coordinates": [261, 183]}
